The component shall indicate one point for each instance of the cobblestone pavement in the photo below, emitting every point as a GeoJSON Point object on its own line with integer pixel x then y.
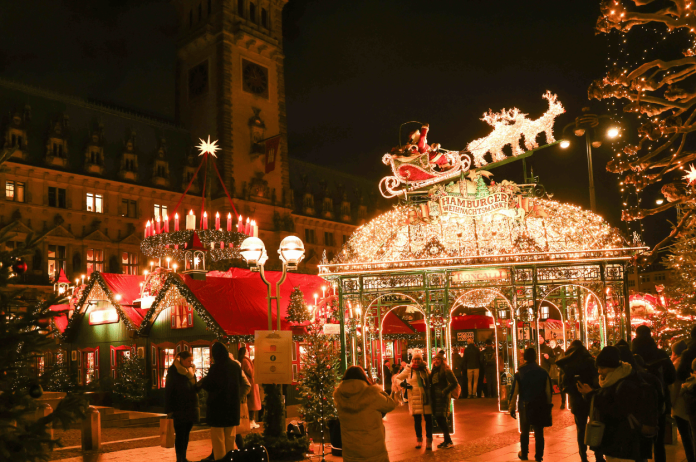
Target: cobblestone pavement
{"type": "Point", "coordinates": [482, 434]}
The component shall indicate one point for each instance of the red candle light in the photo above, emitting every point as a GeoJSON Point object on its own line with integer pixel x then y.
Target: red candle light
{"type": "Point", "coordinates": [176, 222]}
{"type": "Point", "coordinates": [240, 223]}
{"type": "Point", "coordinates": [166, 224]}
{"type": "Point", "coordinates": [158, 225]}
{"type": "Point", "coordinates": [205, 220]}
{"type": "Point", "coordinates": [147, 229]}
{"type": "Point", "coordinates": [217, 221]}
{"type": "Point", "coordinates": [229, 222]}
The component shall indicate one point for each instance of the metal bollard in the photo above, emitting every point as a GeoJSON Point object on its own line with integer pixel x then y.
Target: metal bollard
{"type": "Point", "coordinates": [91, 430]}
{"type": "Point", "coordinates": [44, 410]}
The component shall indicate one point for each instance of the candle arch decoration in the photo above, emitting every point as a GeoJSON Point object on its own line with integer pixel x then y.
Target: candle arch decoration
{"type": "Point", "coordinates": [197, 243]}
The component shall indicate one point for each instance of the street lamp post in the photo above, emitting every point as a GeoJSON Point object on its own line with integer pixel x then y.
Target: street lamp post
{"type": "Point", "coordinates": [291, 253]}
{"type": "Point", "coordinates": [583, 124]}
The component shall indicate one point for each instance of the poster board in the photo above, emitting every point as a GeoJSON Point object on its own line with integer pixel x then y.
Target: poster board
{"type": "Point", "coordinates": [273, 362]}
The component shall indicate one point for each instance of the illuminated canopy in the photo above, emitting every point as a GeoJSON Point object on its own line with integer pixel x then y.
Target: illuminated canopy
{"type": "Point", "coordinates": [549, 231]}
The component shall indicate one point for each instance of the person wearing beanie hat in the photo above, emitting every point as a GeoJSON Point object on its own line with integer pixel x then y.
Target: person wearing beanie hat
{"type": "Point", "coordinates": [417, 380]}
{"type": "Point", "coordinates": [618, 397]}
{"type": "Point", "coordinates": [532, 385]}
{"type": "Point", "coordinates": [225, 385]}
{"type": "Point", "coordinates": [578, 365]}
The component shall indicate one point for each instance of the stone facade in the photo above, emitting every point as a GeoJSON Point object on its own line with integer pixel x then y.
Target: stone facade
{"type": "Point", "coordinates": [89, 176]}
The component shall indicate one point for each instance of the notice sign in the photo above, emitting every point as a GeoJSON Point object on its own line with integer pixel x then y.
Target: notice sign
{"type": "Point", "coordinates": [464, 336]}
{"type": "Point", "coordinates": [273, 362]}
{"type": "Point", "coordinates": [458, 205]}
{"type": "Point", "coordinates": [332, 329]}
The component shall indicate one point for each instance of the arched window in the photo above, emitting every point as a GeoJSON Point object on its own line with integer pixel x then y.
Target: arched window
{"type": "Point", "coordinates": [264, 18]}
{"type": "Point", "coordinates": [252, 12]}
{"type": "Point", "coordinates": [240, 8]}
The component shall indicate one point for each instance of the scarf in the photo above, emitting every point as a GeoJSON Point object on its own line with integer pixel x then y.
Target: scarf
{"type": "Point", "coordinates": [183, 371]}
{"type": "Point", "coordinates": [621, 372]}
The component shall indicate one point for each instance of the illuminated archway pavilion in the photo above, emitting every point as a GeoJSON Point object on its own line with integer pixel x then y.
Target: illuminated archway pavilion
{"type": "Point", "coordinates": [496, 250]}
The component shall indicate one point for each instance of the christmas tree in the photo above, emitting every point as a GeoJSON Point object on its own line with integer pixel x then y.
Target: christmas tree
{"type": "Point", "coordinates": [297, 308]}
{"type": "Point", "coordinates": [131, 384]}
{"type": "Point", "coordinates": [481, 188]}
{"type": "Point", "coordinates": [59, 378]}
{"type": "Point", "coordinates": [319, 378]}
{"type": "Point", "coordinates": [23, 336]}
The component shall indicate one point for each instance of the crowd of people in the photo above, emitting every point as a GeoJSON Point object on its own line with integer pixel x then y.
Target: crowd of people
{"type": "Point", "coordinates": [623, 397]}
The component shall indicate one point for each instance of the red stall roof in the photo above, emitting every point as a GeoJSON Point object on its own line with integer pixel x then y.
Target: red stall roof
{"type": "Point", "coordinates": [126, 285]}
{"type": "Point", "coordinates": [471, 321]}
{"type": "Point", "coordinates": [236, 299]}
{"type": "Point", "coordinates": [61, 321]}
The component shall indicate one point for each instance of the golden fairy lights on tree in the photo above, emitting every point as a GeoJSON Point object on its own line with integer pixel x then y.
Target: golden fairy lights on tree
{"type": "Point", "coordinates": [660, 93]}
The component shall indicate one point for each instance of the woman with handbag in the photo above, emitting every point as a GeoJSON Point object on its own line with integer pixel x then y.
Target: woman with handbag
{"type": "Point", "coordinates": [181, 401]}
{"type": "Point", "coordinates": [416, 379]}
{"type": "Point", "coordinates": [443, 382]}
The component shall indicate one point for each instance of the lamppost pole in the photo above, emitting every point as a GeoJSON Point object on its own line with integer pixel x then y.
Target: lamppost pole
{"type": "Point", "coordinates": [588, 142]}
{"type": "Point", "coordinates": [291, 254]}
{"type": "Point", "coordinates": [582, 126]}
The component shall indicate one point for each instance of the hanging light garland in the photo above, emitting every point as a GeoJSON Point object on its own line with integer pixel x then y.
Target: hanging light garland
{"type": "Point", "coordinates": [477, 298]}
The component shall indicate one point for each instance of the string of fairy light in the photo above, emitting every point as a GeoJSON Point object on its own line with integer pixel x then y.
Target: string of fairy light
{"type": "Point", "coordinates": [565, 228]}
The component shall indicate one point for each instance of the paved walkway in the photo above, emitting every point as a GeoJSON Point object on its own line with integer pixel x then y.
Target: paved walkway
{"type": "Point", "coordinates": [482, 434]}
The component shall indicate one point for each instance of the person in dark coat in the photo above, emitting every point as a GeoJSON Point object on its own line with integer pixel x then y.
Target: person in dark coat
{"type": "Point", "coordinates": [637, 363]}
{"type": "Point", "coordinates": [557, 375]}
{"type": "Point", "coordinates": [471, 362]}
{"type": "Point", "coordinates": [490, 367]}
{"type": "Point", "coordinates": [224, 386]}
{"type": "Point", "coordinates": [618, 396]}
{"type": "Point", "coordinates": [532, 385]}
{"type": "Point", "coordinates": [687, 357]}
{"type": "Point", "coordinates": [442, 382]}
{"type": "Point", "coordinates": [578, 365]}
{"type": "Point", "coordinates": [659, 364]}
{"type": "Point", "coordinates": [459, 369]}
{"type": "Point", "coordinates": [547, 355]}
{"type": "Point", "coordinates": [387, 376]}
{"type": "Point", "coordinates": [181, 401]}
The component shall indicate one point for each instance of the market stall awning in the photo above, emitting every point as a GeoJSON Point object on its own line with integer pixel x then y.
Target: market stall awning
{"type": "Point", "coordinates": [393, 324]}
{"type": "Point", "coordinates": [61, 320]}
{"type": "Point", "coordinates": [236, 299]}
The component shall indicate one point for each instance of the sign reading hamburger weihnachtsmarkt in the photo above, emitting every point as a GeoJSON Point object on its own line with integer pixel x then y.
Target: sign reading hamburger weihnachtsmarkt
{"type": "Point", "coordinates": [467, 206]}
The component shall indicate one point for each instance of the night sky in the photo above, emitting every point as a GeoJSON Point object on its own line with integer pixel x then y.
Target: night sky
{"type": "Point", "coordinates": [355, 70]}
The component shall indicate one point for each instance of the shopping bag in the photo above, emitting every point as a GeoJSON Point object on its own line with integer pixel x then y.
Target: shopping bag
{"type": "Point", "coordinates": [244, 422]}
{"type": "Point", "coordinates": [456, 392]}
{"type": "Point", "coordinates": [594, 430]}
{"type": "Point", "coordinates": [166, 432]}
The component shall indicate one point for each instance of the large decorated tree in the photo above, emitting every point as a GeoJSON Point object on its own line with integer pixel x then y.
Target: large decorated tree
{"type": "Point", "coordinates": [25, 331]}
{"type": "Point", "coordinates": [319, 377]}
{"type": "Point", "coordinates": [653, 74]}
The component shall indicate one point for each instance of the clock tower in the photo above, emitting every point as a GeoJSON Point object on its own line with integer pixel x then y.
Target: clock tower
{"type": "Point", "coordinates": [230, 85]}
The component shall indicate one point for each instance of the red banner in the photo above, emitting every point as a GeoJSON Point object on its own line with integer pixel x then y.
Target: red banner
{"type": "Point", "coordinates": [272, 148]}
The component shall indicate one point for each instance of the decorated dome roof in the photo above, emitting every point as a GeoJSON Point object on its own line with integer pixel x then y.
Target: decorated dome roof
{"type": "Point", "coordinates": [469, 222]}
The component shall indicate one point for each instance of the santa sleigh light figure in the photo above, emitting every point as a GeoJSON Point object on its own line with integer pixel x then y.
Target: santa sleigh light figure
{"type": "Point", "coordinates": [417, 165]}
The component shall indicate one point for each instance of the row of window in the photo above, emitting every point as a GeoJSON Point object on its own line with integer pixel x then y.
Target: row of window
{"type": "Point", "coordinates": [329, 241]}
{"type": "Point", "coordinates": [57, 260]}
{"type": "Point", "coordinates": [15, 191]}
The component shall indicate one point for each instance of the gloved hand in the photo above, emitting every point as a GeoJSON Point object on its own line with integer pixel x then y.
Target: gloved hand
{"type": "Point", "coordinates": [513, 414]}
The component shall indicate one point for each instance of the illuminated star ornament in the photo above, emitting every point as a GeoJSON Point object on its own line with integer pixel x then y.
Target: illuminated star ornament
{"type": "Point", "coordinates": [206, 147]}
{"type": "Point", "coordinates": [690, 176]}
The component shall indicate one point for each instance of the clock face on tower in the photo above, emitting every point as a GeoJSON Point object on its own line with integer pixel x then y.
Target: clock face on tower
{"type": "Point", "coordinates": [254, 79]}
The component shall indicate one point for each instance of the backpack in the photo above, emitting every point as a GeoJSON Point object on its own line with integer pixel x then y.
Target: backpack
{"type": "Point", "coordinates": [646, 412]}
